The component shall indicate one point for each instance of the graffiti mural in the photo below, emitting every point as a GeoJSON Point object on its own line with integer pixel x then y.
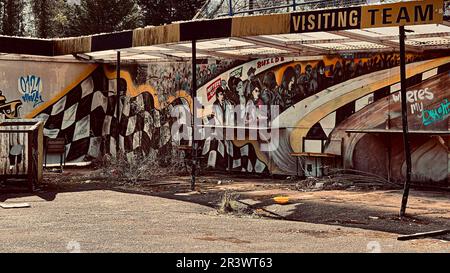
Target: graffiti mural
{"type": "Point", "coordinates": [430, 116]}
{"type": "Point", "coordinates": [317, 99]}
{"type": "Point", "coordinates": [415, 99]}
{"type": "Point", "coordinates": [9, 109]}
{"type": "Point", "coordinates": [31, 89]}
{"type": "Point", "coordinates": [430, 153]}
{"type": "Point", "coordinates": [173, 77]}
{"type": "Point", "coordinates": [316, 96]}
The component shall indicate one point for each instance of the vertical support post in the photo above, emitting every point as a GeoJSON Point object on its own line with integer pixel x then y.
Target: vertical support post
{"type": "Point", "coordinates": [448, 160]}
{"type": "Point", "coordinates": [118, 102]}
{"type": "Point", "coordinates": [230, 7]}
{"type": "Point", "coordinates": [404, 122]}
{"type": "Point", "coordinates": [31, 166]}
{"type": "Point", "coordinates": [389, 154]}
{"type": "Point", "coordinates": [294, 5]}
{"type": "Point", "coordinates": [194, 96]}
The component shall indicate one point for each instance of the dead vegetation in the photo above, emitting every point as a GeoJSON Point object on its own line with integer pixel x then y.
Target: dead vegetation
{"type": "Point", "coordinates": [340, 179]}
{"type": "Point", "coordinates": [137, 167]}
{"type": "Point", "coordinates": [133, 169]}
{"type": "Point", "coordinates": [229, 203]}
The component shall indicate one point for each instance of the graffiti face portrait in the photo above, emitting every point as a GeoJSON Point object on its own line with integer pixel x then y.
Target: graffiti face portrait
{"type": "Point", "coordinates": [269, 81]}
{"type": "Point", "coordinates": [298, 70]}
{"type": "Point", "coordinates": [251, 73]}
{"type": "Point", "coordinates": [224, 84]}
{"type": "Point", "coordinates": [240, 88]}
{"type": "Point", "coordinates": [308, 69]}
{"type": "Point", "coordinates": [256, 93]}
{"type": "Point", "coordinates": [291, 84]}
{"type": "Point", "coordinates": [219, 95]}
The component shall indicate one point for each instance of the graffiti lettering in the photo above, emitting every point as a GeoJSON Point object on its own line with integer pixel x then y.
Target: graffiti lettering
{"type": "Point", "coordinates": [415, 95]}
{"type": "Point", "coordinates": [329, 20]}
{"type": "Point", "coordinates": [415, 98]}
{"type": "Point", "coordinates": [212, 88]}
{"type": "Point", "coordinates": [31, 87]}
{"type": "Point", "coordinates": [437, 114]}
{"type": "Point", "coordinates": [269, 61]}
{"type": "Point", "coordinates": [417, 107]}
{"type": "Point", "coordinates": [237, 73]}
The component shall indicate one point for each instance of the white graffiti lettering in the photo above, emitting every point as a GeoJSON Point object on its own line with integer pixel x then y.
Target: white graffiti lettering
{"type": "Point", "coordinates": [415, 95]}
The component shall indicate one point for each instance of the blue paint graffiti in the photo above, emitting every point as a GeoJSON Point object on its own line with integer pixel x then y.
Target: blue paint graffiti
{"type": "Point", "coordinates": [31, 88]}
{"type": "Point", "coordinates": [437, 114]}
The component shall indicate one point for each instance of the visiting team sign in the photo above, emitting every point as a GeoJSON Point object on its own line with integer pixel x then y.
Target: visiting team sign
{"type": "Point", "coordinates": [403, 13]}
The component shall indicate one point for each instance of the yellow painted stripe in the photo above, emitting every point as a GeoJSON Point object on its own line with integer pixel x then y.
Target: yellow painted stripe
{"type": "Point", "coordinates": [180, 94]}
{"type": "Point", "coordinates": [132, 89]}
{"type": "Point", "coordinates": [64, 92]}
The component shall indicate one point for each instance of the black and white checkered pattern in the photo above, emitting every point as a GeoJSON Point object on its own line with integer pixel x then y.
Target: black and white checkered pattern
{"type": "Point", "coordinates": [86, 118]}
{"type": "Point", "coordinates": [223, 154]}
{"type": "Point", "coordinates": [83, 116]}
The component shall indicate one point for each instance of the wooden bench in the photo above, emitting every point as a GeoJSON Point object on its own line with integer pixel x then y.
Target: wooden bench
{"type": "Point", "coordinates": [316, 156]}
{"type": "Point", "coordinates": [56, 146]}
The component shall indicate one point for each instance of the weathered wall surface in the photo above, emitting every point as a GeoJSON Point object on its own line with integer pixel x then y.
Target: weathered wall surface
{"type": "Point", "coordinates": [318, 100]}
{"type": "Point", "coordinates": [428, 110]}
{"type": "Point", "coordinates": [32, 84]}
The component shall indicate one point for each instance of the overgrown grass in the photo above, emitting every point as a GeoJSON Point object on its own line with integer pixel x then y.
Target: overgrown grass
{"type": "Point", "coordinates": [137, 167]}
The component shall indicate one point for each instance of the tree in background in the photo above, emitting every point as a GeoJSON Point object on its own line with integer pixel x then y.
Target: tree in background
{"type": "Point", "coordinates": [158, 12]}
{"type": "Point", "coordinates": [62, 18]}
{"type": "Point", "coordinates": [50, 17]}
{"type": "Point", "coordinates": [99, 16]}
{"type": "Point", "coordinates": [11, 13]}
{"type": "Point", "coordinates": [1, 17]}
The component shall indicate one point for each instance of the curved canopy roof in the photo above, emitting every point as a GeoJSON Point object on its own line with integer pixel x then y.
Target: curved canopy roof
{"type": "Point", "coordinates": [366, 28]}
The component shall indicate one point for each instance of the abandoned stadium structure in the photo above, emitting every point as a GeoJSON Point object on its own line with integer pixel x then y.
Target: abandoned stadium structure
{"type": "Point", "coordinates": [334, 73]}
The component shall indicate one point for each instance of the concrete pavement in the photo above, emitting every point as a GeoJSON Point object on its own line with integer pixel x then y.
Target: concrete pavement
{"type": "Point", "coordinates": [110, 221]}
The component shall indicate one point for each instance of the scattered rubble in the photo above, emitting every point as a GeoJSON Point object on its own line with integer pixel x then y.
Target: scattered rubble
{"type": "Point", "coordinates": [345, 180]}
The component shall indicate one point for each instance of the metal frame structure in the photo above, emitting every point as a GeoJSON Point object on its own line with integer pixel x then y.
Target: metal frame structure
{"type": "Point", "coordinates": [243, 38]}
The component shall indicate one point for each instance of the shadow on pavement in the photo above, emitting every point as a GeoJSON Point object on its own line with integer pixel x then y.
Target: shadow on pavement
{"type": "Point", "coordinates": [317, 211]}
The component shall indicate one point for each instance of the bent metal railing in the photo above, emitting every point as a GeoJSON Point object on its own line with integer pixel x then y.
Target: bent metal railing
{"type": "Point", "coordinates": [221, 8]}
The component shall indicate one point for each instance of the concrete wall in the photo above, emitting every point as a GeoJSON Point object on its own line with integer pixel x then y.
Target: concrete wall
{"type": "Point", "coordinates": [318, 98]}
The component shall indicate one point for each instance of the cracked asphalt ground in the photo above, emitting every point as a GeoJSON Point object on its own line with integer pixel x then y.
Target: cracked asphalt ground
{"type": "Point", "coordinates": [87, 218]}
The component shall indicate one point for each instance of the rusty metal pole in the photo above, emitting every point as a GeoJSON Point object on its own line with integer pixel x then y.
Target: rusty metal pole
{"type": "Point", "coordinates": [194, 95]}
{"type": "Point", "coordinates": [230, 8]}
{"type": "Point", "coordinates": [404, 121]}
